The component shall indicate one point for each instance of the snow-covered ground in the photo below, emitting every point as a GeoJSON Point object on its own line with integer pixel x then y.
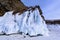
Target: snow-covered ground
{"type": "Point", "coordinates": [54, 35]}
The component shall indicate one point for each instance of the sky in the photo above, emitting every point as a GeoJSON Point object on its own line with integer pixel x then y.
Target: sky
{"type": "Point", "coordinates": [50, 8]}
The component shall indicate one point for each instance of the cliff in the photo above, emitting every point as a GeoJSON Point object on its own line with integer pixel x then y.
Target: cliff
{"type": "Point", "coordinates": [11, 5]}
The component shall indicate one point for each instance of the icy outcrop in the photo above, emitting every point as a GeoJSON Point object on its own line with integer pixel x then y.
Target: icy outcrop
{"type": "Point", "coordinates": [29, 22]}
{"type": "Point", "coordinates": [32, 23]}
{"type": "Point", "coordinates": [7, 24]}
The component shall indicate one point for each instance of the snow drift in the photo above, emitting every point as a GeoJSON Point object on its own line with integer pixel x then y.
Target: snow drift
{"type": "Point", "coordinates": [29, 22]}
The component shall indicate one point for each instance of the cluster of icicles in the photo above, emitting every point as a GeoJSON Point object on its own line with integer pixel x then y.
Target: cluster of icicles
{"type": "Point", "coordinates": [28, 22]}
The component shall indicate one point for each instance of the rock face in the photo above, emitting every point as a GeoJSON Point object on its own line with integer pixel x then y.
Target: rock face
{"type": "Point", "coordinates": [11, 5]}
{"type": "Point", "coordinates": [52, 21]}
{"type": "Point", "coordinates": [29, 22]}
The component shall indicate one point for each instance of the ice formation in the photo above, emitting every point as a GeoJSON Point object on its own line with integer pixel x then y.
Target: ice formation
{"type": "Point", "coordinates": [7, 24]}
{"type": "Point", "coordinates": [29, 22]}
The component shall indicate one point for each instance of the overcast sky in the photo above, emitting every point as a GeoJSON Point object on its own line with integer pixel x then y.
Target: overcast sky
{"type": "Point", "coordinates": [50, 8]}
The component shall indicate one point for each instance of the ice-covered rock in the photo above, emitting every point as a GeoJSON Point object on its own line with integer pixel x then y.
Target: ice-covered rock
{"type": "Point", "coordinates": [29, 22]}
{"type": "Point", "coordinates": [32, 23]}
{"type": "Point", "coordinates": [7, 24]}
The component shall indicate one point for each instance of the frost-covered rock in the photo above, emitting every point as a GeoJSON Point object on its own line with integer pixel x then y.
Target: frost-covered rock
{"type": "Point", "coordinates": [29, 22]}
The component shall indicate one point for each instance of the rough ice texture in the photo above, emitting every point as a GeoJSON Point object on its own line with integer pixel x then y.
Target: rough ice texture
{"type": "Point", "coordinates": [54, 34]}
{"type": "Point", "coordinates": [7, 23]}
{"type": "Point", "coordinates": [28, 22]}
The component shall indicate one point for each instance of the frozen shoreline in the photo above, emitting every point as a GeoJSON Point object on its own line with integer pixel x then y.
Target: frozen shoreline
{"type": "Point", "coordinates": [54, 35]}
